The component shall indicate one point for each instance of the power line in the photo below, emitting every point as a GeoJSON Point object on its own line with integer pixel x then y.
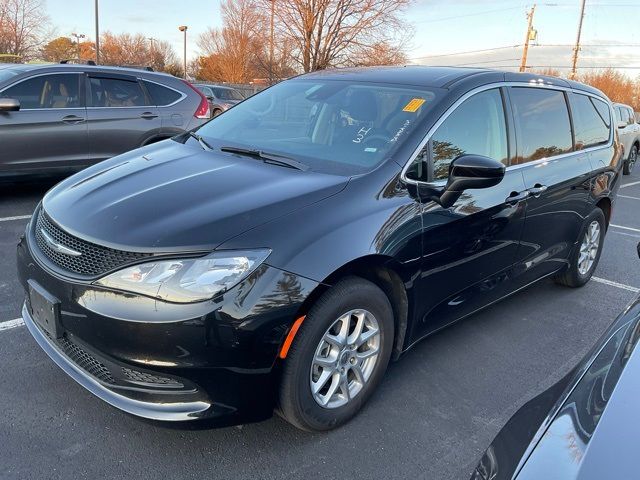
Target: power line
{"type": "Point", "coordinates": [536, 46]}
{"type": "Point", "coordinates": [470, 51]}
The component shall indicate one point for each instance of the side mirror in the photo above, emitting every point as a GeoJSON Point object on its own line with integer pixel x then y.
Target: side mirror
{"type": "Point", "coordinates": [622, 124]}
{"type": "Point", "coordinates": [210, 98]}
{"type": "Point", "coordinates": [470, 171]}
{"type": "Point", "coordinates": [9, 105]}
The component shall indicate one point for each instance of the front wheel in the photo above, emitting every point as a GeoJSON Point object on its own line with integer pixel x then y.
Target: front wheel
{"type": "Point", "coordinates": [631, 161]}
{"type": "Point", "coordinates": [585, 257]}
{"type": "Point", "coordinates": [338, 356]}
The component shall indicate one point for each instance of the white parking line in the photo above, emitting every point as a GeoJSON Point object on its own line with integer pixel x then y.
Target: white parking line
{"type": "Point", "coordinates": [19, 217]}
{"type": "Point", "coordinates": [629, 184]}
{"type": "Point", "coordinates": [616, 284]}
{"type": "Point", "coordinates": [626, 228]}
{"type": "Point", "coordinates": [627, 196]}
{"type": "Point", "coordinates": [9, 324]}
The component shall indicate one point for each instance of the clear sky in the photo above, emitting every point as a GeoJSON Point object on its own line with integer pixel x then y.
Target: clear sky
{"type": "Point", "coordinates": [441, 27]}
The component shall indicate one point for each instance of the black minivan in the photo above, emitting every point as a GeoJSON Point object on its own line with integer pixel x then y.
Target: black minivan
{"type": "Point", "coordinates": [280, 255]}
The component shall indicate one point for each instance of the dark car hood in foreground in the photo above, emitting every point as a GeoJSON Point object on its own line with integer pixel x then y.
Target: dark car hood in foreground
{"type": "Point", "coordinates": [174, 197]}
{"type": "Point", "coordinates": [586, 427]}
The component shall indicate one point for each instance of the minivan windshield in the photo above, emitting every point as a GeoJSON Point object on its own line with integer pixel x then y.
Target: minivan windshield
{"type": "Point", "coordinates": [333, 126]}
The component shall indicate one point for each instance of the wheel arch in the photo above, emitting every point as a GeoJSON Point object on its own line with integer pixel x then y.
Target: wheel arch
{"type": "Point", "coordinates": [384, 272]}
{"type": "Point", "coordinates": [604, 204]}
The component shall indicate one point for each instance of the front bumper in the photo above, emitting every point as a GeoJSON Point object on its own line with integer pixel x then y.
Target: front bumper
{"type": "Point", "coordinates": [195, 403]}
{"type": "Point", "coordinates": [216, 360]}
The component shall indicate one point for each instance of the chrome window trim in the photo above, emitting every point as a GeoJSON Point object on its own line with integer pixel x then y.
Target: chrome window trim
{"type": "Point", "coordinates": [491, 86]}
{"type": "Point", "coordinates": [24, 79]}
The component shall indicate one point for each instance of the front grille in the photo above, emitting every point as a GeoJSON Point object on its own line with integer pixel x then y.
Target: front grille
{"type": "Point", "coordinates": [86, 361]}
{"type": "Point", "coordinates": [94, 259]}
{"type": "Point", "coordinates": [143, 377]}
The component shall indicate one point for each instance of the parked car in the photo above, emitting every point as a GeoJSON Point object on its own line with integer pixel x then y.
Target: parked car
{"type": "Point", "coordinates": [583, 427]}
{"type": "Point", "coordinates": [629, 132]}
{"type": "Point", "coordinates": [220, 98]}
{"type": "Point", "coordinates": [284, 252]}
{"type": "Point", "coordinates": [56, 118]}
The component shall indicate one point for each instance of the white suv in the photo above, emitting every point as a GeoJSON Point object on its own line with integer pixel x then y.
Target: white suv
{"type": "Point", "coordinates": [629, 132]}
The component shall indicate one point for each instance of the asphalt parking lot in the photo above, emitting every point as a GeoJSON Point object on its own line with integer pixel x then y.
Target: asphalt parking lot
{"type": "Point", "coordinates": [438, 409]}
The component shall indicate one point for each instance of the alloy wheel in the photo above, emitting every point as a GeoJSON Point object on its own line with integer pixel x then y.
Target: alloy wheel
{"type": "Point", "coordinates": [345, 358]}
{"type": "Point", "coordinates": [589, 248]}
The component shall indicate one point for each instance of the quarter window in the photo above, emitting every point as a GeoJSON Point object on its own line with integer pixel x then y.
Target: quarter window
{"type": "Point", "coordinates": [162, 96]}
{"type": "Point", "coordinates": [542, 123]}
{"type": "Point", "coordinates": [114, 92]}
{"type": "Point", "coordinates": [591, 121]}
{"type": "Point", "coordinates": [477, 127]}
{"type": "Point", "coordinates": [46, 91]}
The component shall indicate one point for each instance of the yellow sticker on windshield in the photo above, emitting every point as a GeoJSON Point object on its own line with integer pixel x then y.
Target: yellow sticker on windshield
{"type": "Point", "coordinates": [413, 105]}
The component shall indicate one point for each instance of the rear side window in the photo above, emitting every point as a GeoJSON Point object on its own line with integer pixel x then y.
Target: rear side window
{"type": "Point", "coordinates": [46, 91]}
{"type": "Point", "coordinates": [542, 123]}
{"type": "Point", "coordinates": [632, 116]}
{"type": "Point", "coordinates": [115, 92]}
{"type": "Point", "coordinates": [623, 114]}
{"type": "Point", "coordinates": [591, 121]}
{"type": "Point", "coordinates": [162, 96]}
{"type": "Point", "coordinates": [477, 127]}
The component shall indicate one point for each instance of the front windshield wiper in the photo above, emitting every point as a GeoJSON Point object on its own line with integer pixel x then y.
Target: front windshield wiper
{"type": "Point", "coordinates": [201, 141]}
{"type": "Point", "coordinates": [273, 158]}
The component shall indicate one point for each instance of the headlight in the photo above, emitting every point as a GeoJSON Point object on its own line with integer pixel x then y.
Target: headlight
{"type": "Point", "coordinates": [187, 280]}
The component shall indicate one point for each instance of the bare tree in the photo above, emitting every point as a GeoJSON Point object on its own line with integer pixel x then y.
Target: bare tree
{"type": "Point", "coordinates": [331, 33]}
{"type": "Point", "coordinates": [232, 53]}
{"type": "Point", "coordinates": [136, 49]}
{"type": "Point", "coordinates": [23, 27]}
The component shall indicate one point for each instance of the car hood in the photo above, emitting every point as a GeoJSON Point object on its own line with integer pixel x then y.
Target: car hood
{"type": "Point", "coordinates": [172, 197]}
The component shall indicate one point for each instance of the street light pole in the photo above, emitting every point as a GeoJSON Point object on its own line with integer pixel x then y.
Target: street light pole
{"type": "Point", "coordinates": [78, 37]}
{"type": "Point", "coordinates": [97, 35]}
{"type": "Point", "coordinates": [183, 28]}
{"type": "Point", "coordinates": [153, 51]}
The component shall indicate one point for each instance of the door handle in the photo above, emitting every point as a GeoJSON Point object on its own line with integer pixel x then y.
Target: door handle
{"type": "Point", "coordinates": [72, 119]}
{"type": "Point", "coordinates": [148, 115]}
{"type": "Point", "coordinates": [537, 190]}
{"type": "Point", "coordinates": [517, 197]}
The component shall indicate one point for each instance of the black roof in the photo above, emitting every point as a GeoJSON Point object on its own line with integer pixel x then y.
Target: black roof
{"type": "Point", "coordinates": [442, 77]}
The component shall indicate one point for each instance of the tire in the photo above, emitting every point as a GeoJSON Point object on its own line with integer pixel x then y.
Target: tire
{"type": "Point", "coordinates": [575, 275]}
{"type": "Point", "coordinates": [297, 403]}
{"type": "Point", "coordinates": [216, 112]}
{"type": "Point", "coordinates": [631, 161]}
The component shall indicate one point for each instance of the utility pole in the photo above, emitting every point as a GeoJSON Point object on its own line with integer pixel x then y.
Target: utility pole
{"type": "Point", "coordinates": [525, 51]}
{"type": "Point", "coordinates": [273, 8]}
{"type": "Point", "coordinates": [577, 47]}
{"type": "Point", "coordinates": [183, 29]}
{"type": "Point", "coordinates": [97, 35]}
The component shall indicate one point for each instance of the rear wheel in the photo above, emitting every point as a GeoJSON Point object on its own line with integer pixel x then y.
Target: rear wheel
{"type": "Point", "coordinates": [338, 357]}
{"type": "Point", "coordinates": [631, 161]}
{"type": "Point", "coordinates": [584, 259]}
